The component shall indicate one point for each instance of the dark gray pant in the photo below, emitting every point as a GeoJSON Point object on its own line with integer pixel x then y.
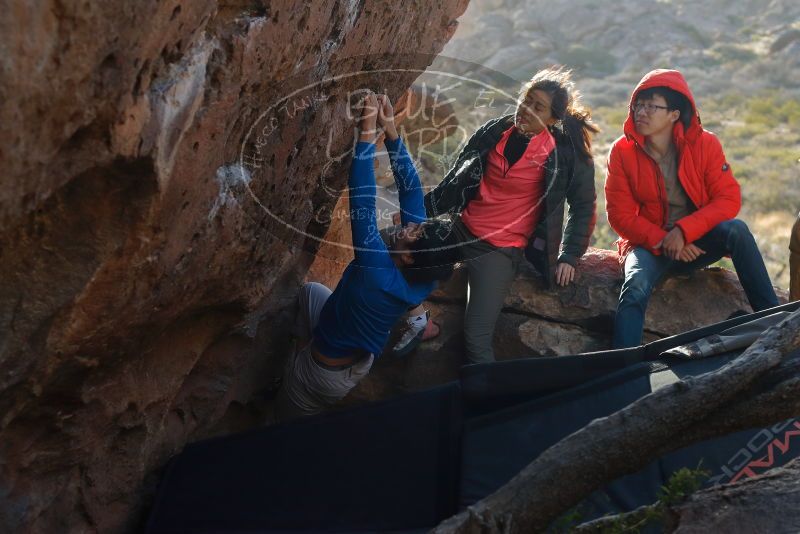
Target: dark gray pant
{"type": "Point", "coordinates": [490, 271]}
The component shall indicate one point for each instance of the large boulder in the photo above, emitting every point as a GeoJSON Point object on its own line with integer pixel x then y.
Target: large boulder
{"type": "Point", "coordinates": [163, 163]}
{"type": "Point", "coordinates": [742, 506]}
{"type": "Point", "coordinates": [554, 322]}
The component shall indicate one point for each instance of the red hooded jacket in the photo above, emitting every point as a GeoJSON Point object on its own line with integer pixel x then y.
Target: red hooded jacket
{"type": "Point", "coordinates": [636, 198]}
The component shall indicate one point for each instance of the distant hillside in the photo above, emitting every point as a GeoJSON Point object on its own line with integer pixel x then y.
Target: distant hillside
{"type": "Point", "coordinates": [741, 59]}
{"type": "Point", "coordinates": [748, 45]}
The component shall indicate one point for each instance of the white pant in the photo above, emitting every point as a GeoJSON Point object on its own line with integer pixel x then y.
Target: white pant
{"type": "Point", "coordinates": [308, 388]}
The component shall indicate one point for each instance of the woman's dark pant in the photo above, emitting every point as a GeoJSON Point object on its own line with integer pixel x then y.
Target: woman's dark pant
{"type": "Point", "coordinates": [490, 271]}
{"type": "Point", "coordinates": [643, 271]}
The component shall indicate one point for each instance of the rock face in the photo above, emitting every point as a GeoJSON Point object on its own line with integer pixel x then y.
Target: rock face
{"type": "Point", "coordinates": [422, 121]}
{"type": "Point", "coordinates": [539, 322]}
{"type": "Point", "coordinates": [766, 503]}
{"type": "Point", "coordinates": [163, 163]}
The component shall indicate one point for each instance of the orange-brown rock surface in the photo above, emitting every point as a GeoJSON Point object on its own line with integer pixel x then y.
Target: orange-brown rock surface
{"type": "Point", "coordinates": [160, 182]}
{"type": "Point", "coordinates": [422, 121]}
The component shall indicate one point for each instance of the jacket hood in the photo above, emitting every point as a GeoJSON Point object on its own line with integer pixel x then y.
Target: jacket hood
{"type": "Point", "coordinates": [674, 80]}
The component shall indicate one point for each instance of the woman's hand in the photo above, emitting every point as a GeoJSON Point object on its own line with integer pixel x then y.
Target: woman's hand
{"type": "Point", "coordinates": [386, 117]}
{"type": "Point", "coordinates": [368, 121]}
{"type": "Point", "coordinates": [565, 273]}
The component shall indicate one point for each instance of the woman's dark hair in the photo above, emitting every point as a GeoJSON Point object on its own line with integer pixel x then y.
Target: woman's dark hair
{"type": "Point", "coordinates": [566, 106]}
{"type": "Point", "coordinates": [675, 100]}
{"type": "Point", "coordinates": [434, 253]}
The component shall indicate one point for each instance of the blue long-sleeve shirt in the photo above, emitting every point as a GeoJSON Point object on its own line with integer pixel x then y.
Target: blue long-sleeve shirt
{"type": "Point", "coordinates": [372, 293]}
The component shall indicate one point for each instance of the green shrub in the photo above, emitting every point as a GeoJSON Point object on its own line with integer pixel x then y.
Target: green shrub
{"type": "Point", "coordinates": [728, 53]}
{"type": "Point", "coordinates": [773, 109]}
{"type": "Point", "coordinates": [701, 37]}
{"type": "Point", "coordinates": [582, 58]}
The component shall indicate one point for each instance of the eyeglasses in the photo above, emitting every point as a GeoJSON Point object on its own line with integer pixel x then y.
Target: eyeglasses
{"type": "Point", "coordinates": [648, 107]}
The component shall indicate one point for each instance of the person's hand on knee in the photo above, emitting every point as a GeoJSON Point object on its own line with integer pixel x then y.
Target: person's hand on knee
{"type": "Point", "coordinates": [690, 253]}
{"type": "Point", "coordinates": [673, 243]}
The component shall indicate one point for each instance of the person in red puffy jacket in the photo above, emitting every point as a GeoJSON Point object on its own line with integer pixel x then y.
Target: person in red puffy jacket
{"type": "Point", "coordinates": [672, 198]}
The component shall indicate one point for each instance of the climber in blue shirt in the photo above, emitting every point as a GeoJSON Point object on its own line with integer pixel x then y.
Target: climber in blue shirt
{"type": "Point", "coordinates": [341, 332]}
